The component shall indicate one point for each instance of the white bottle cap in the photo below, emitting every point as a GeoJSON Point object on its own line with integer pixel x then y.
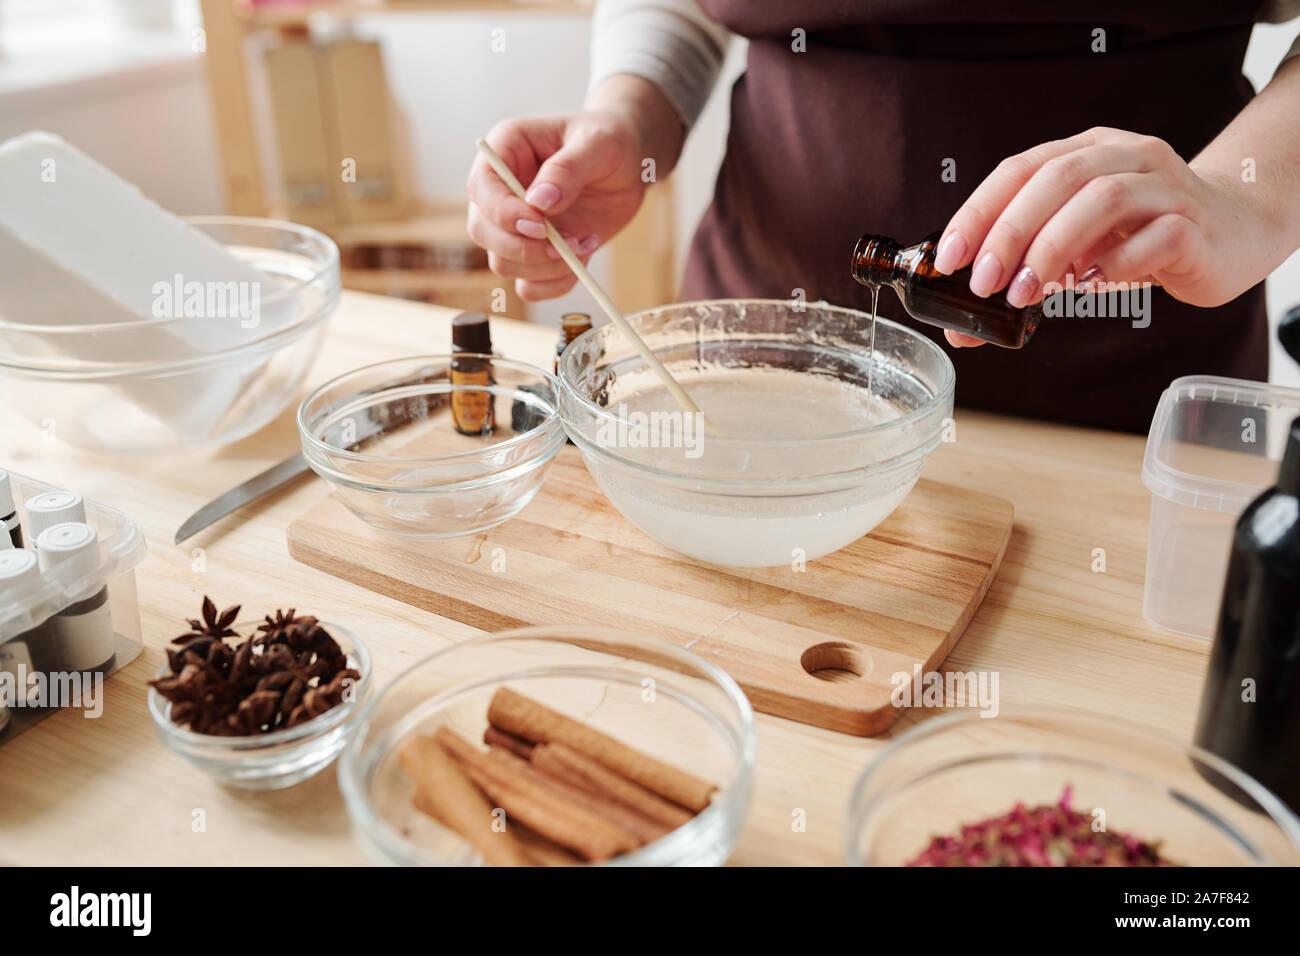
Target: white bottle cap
{"type": "Point", "coordinates": [6, 495]}
{"type": "Point", "coordinates": [6, 542]}
{"type": "Point", "coordinates": [72, 545]}
{"type": "Point", "coordinates": [51, 508]}
{"type": "Point", "coordinates": [18, 571]}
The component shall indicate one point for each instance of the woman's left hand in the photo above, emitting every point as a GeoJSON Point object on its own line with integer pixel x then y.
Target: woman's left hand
{"type": "Point", "coordinates": [1106, 206]}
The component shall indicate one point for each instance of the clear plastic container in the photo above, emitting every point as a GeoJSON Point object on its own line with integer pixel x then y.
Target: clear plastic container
{"type": "Point", "coordinates": [24, 611]}
{"type": "Point", "coordinates": [1214, 445]}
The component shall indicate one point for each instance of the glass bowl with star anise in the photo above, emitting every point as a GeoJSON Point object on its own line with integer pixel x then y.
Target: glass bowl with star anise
{"type": "Point", "coordinates": [260, 704]}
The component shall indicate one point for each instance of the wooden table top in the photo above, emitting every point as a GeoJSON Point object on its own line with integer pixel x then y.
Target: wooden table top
{"type": "Point", "coordinates": [105, 791]}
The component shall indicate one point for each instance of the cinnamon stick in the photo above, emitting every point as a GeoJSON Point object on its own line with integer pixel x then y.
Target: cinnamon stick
{"type": "Point", "coordinates": [556, 817]}
{"type": "Point", "coordinates": [516, 714]}
{"type": "Point", "coordinates": [567, 764]}
{"type": "Point", "coordinates": [643, 828]}
{"type": "Point", "coordinates": [495, 737]}
{"type": "Point", "coordinates": [456, 803]}
{"type": "Point", "coordinates": [541, 851]}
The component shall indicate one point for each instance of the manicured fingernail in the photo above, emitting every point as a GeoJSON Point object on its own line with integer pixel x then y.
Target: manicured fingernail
{"type": "Point", "coordinates": [1023, 288]}
{"type": "Point", "coordinates": [951, 248]}
{"type": "Point", "coordinates": [986, 276]}
{"type": "Point", "coordinates": [542, 196]}
{"type": "Point", "coordinates": [1090, 278]}
{"type": "Point", "coordinates": [589, 245]}
{"type": "Point", "coordinates": [533, 230]}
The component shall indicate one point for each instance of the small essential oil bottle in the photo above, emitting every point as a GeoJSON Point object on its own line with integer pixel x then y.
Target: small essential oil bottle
{"type": "Point", "coordinates": [80, 635]}
{"type": "Point", "coordinates": [24, 653]}
{"type": "Point", "coordinates": [472, 411]}
{"type": "Point", "coordinates": [10, 529]}
{"type": "Point", "coordinates": [50, 508]}
{"type": "Point", "coordinates": [572, 324]}
{"type": "Point", "coordinates": [937, 299]}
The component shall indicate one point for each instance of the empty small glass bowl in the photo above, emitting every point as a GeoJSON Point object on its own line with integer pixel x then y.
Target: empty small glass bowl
{"type": "Point", "coordinates": [280, 758]}
{"type": "Point", "coordinates": [384, 437]}
{"type": "Point", "coordinates": [811, 459]}
{"type": "Point", "coordinates": [642, 690]}
{"type": "Point", "coordinates": [963, 768]}
{"type": "Point", "coordinates": [169, 385]}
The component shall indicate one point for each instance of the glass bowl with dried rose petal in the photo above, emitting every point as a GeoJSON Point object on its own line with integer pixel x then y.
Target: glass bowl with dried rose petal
{"type": "Point", "coordinates": [274, 759]}
{"type": "Point", "coordinates": [1046, 786]}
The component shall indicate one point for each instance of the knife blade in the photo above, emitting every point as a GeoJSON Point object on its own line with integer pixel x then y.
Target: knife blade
{"type": "Point", "coordinates": [381, 420]}
{"type": "Point", "coordinates": [292, 467]}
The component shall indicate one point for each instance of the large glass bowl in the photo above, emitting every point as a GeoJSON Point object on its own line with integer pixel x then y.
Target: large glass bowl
{"type": "Point", "coordinates": [963, 768]}
{"type": "Point", "coordinates": [640, 689]}
{"type": "Point", "coordinates": [384, 437]}
{"type": "Point", "coordinates": [169, 385]}
{"type": "Point", "coordinates": [763, 494]}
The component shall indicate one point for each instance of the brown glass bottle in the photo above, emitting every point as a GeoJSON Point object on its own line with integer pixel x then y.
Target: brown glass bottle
{"type": "Point", "coordinates": [572, 324]}
{"type": "Point", "coordinates": [472, 410]}
{"type": "Point", "coordinates": [937, 299]}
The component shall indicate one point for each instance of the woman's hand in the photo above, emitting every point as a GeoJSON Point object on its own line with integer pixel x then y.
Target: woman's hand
{"type": "Point", "coordinates": [583, 171]}
{"type": "Point", "coordinates": [1109, 206]}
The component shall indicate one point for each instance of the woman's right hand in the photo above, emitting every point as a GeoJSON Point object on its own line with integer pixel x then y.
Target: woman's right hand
{"type": "Point", "coordinates": [583, 171]}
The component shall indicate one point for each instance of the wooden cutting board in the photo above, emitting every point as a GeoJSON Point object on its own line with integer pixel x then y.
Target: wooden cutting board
{"type": "Point", "coordinates": [819, 645]}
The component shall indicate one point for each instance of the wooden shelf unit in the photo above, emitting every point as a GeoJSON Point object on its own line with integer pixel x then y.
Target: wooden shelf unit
{"type": "Point", "coordinates": [278, 16]}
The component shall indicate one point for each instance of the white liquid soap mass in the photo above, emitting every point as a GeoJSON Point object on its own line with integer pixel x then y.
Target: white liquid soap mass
{"type": "Point", "coordinates": [812, 473]}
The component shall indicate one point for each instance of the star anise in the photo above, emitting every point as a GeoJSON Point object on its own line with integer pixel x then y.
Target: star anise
{"type": "Point", "coordinates": [289, 672]}
{"type": "Point", "coordinates": [213, 625]}
{"type": "Point", "coordinates": [278, 628]}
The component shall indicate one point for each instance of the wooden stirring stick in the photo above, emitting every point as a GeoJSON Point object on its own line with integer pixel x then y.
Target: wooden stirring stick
{"type": "Point", "coordinates": [573, 262]}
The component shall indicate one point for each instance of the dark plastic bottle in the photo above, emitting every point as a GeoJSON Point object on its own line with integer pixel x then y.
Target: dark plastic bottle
{"type": "Point", "coordinates": [937, 299]}
{"type": "Point", "coordinates": [1250, 707]}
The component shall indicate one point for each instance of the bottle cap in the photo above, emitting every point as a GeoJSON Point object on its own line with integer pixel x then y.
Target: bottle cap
{"type": "Point", "coordinates": [1288, 476]}
{"type": "Point", "coordinates": [574, 324]}
{"type": "Point", "coordinates": [72, 545]}
{"type": "Point", "coordinates": [6, 495]}
{"type": "Point", "coordinates": [470, 333]}
{"type": "Point", "coordinates": [6, 542]}
{"type": "Point", "coordinates": [18, 570]}
{"type": "Point", "coordinates": [51, 508]}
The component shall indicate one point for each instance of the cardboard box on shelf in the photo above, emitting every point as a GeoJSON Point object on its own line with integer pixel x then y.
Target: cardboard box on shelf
{"type": "Point", "coordinates": [366, 170]}
{"type": "Point", "coordinates": [301, 136]}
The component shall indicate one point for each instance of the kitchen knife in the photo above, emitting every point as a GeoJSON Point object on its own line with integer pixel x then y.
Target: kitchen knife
{"type": "Point", "coordinates": [292, 467]}
{"type": "Point", "coordinates": [381, 420]}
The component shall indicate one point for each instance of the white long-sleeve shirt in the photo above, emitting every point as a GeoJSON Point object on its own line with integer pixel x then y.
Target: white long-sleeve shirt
{"type": "Point", "coordinates": [680, 49]}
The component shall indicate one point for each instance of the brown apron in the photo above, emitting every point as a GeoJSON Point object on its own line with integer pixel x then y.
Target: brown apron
{"type": "Point", "coordinates": [852, 135]}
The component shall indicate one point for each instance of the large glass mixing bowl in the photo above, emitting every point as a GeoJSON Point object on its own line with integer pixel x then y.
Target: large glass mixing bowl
{"type": "Point", "coordinates": [824, 435]}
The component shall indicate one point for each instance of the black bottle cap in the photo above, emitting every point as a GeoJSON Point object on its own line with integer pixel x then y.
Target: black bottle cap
{"type": "Point", "coordinates": [1288, 476]}
{"type": "Point", "coordinates": [1288, 332]}
{"type": "Point", "coordinates": [470, 333]}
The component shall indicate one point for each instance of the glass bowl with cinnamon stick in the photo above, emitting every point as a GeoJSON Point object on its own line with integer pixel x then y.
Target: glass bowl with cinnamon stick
{"type": "Point", "coordinates": [552, 746]}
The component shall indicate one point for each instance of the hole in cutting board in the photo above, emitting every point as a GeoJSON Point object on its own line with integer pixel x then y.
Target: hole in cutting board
{"type": "Point", "coordinates": [836, 662]}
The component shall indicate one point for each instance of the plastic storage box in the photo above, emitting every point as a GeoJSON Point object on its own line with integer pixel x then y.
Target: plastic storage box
{"type": "Point", "coordinates": [1214, 445]}
{"type": "Point", "coordinates": [121, 548]}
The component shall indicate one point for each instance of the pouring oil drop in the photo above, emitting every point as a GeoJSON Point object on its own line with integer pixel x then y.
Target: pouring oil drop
{"type": "Point", "coordinates": [871, 340]}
